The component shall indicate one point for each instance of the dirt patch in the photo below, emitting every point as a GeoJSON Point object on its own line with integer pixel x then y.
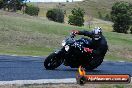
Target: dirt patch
{"type": "Point", "coordinates": [69, 86]}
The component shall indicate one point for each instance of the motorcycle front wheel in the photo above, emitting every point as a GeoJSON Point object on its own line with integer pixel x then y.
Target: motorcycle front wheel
{"type": "Point", "coordinates": [52, 61]}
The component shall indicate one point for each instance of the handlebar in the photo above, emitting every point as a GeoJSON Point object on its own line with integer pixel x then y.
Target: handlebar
{"type": "Point", "coordinates": [72, 35]}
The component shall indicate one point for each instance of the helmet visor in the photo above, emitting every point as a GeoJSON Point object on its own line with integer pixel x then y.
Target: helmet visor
{"type": "Point", "coordinates": [97, 36]}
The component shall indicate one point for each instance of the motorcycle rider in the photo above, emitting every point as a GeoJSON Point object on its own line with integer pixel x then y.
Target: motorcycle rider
{"type": "Point", "coordinates": [98, 44]}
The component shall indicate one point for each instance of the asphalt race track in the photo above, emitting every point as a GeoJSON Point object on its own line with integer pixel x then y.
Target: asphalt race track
{"type": "Point", "coordinates": [31, 68]}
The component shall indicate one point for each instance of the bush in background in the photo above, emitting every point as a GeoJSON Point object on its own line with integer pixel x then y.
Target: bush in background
{"type": "Point", "coordinates": [32, 10]}
{"type": "Point", "coordinates": [77, 17]}
{"type": "Point", "coordinates": [131, 30]}
{"type": "Point", "coordinates": [56, 15]}
{"type": "Point", "coordinates": [1, 4]}
{"type": "Point", "coordinates": [100, 15]}
{"type": "Point", "coordinates": [107, 17]}
{"type": "Point", "coordinates": [120, 15]}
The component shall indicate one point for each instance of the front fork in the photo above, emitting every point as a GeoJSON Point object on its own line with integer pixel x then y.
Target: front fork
{"type": "Point", "coordinates": [60, 52]}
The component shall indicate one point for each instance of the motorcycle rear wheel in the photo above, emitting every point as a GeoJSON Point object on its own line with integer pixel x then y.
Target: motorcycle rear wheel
{"type": "Point", "coordinates": [93, 64]}
{"type": "Point", "coordinates": [52, 61]}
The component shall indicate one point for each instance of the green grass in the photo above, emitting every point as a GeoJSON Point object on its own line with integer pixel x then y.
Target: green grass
{"type": "Point", "coordinates": [30, 36]}
{"type": "Point", "coordinates": [26, 35]}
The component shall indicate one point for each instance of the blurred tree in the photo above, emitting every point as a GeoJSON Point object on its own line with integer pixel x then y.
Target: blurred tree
{"type": "Point", "coordinates": [121, 16]}
{"type": "Point", "coordinates": [13, 5]}
{"type": "Point", "coordinates": [131, 30]}
{"type": "Point", "coordinates": [89, 20]}
{"type": "Point", "coordinates": [56, 15]}
{"type": "Point", "coordinates": [107, 17]}
{"type": "Point", "coordinates": [100, 15]}
{"type": "Point", "coordinates": [67, 0]}
{"type": "Point", "coordinates": [1, 4]}
{"type": "Point", "coordinates": [77, 17]}
{"type": "Point", "coordinates": [32, 10]}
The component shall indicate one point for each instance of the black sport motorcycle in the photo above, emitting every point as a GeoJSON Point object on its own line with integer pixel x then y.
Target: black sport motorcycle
{"type": "Point", "coordinates": [72, 54]}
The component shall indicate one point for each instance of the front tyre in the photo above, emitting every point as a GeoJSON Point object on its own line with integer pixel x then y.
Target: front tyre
{"type": "Point", "coordinates": [52, 61]}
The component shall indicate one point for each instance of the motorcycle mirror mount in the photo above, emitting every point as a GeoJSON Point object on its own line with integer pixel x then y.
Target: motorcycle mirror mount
{"type": "Point", "coordinates": [72, 35]}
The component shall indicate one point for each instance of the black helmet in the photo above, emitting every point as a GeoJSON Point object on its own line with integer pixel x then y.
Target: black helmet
{"type": "Point", "coordinates": [97, 33]}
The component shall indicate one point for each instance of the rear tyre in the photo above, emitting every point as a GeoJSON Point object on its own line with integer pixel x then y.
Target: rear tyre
{"type": "Point", "coordinates": [93, 64]}
{"type": "Point", "coordinates": [52, 61]}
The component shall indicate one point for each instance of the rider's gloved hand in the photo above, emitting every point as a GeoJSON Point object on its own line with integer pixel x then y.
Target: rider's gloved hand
{"type": "Point", "coordinates": [75, 31]}
{"type": "Point", "coordinates": [88, 50]}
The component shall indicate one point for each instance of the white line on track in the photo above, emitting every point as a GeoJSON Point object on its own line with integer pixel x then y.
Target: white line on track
{"type": "Point", "coordinates": [23, 55]}
{"type": "Point", "coordinates": [39, 81]}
